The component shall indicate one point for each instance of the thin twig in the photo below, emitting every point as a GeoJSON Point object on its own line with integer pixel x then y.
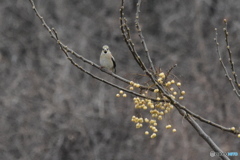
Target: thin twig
{"type": "Point", "coordinates": [207, 121]}
{"type": "Point", "coordinates": [126, 35]}
{"type": "Point", "coordinates": [127, 38]}
{"type": "Point", "coordinates": [224, 67]}
{"type": "Point", "coordinates": [169, 71]}
{"type": "Point", "coordinates": [139, 30]}
{"type": "Point", "coordinates": [230, 56]}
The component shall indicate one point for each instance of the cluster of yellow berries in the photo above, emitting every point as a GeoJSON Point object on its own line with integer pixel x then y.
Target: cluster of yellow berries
{"type": "Point", "coordinates": [159, 108]}
{"type": "Point", "coordinates": [157, 111]}
{"type": "Point", "coordinates": [152, 125]}
{"type": "Point", "coordinates": [121, 93]}
{"type": "Point", "coordinates": [170, 86]}
{"type": "Point", "coordinates": [137, 85]}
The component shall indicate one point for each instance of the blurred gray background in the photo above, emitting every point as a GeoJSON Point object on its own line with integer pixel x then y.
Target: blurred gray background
{"type": "Point", "coordinates": [49, 110]}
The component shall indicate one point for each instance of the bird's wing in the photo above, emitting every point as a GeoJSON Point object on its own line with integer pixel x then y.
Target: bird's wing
{"type": "Point", "coordinates": [114, 64]}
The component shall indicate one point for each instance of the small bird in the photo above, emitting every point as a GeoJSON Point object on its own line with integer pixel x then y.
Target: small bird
{"type": "Point", "coordinates": [106, 59]}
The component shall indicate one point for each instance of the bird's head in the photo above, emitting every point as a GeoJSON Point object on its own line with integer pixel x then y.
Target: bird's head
{"type": "Point", "coordinates": [105, 49]}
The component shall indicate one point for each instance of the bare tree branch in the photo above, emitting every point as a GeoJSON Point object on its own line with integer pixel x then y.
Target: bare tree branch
{"type": "Point", "coordinates": [186, 113]}
{"type": "Point", "coordinates": [160, 87]}
{"type": "Point", "coordinates": [138, 28]}
{"type": "Point", "coordinates": [205, 137]}
{"type": "Point", "coordinates": [223, 65]}
{"type": "Point", "coordinates": [230, 56]}
{"type": "Point", "coordinates": [127, 38]}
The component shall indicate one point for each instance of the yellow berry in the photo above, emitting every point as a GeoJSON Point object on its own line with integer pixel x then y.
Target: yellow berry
{"type": "Point", "coordinates": [117, 95]}
{"type": "Point", "coordinates": [159, 80]}
{"type": "Point", "coordinates": [154, 115]}
{"type": "Point", "coordinates": [174, 130]}
{"type": "Point", "coordinates": [151, 106]}
{"type": "Point", "coordinates": [162, 107]}
{"type": "Point", "coordinates": [172, 96]}
{"type": "Point", "coordinates": [153, 135]}
{"type": "Point", "coordinates": [133, 118]}
{"type": "Point", "coordinates": [131, 82]}
{"type": "Point", "coordinates": [168, 83]}
{"type": "Point", "coordinates": [181, 97]}
{"type": "Point", "coordinates": [121, 92]}
{"type": "Point", "coordinates": [124, 95]}
{"type": "Point", "coordinates": [149, 103]}
{"type": "Point", "coordinates": [131, 88]}
{"type": "Point", "coordinates": [233, 128]}
{"type": "Point", "coordinates": [146, 133]}
{"type": "Point", "coordinates": [168, 126]}
{"type": "Point", "coordinates": [174, 93]}
{"type": "Point", "coordinates": [155, 124]}
{"type": "Point", "coordinates": [146, 120]}
{"type": "Point", "coordinates": [152, 121]}
{"type": "Point", "coordinates": [158, 98]}
{"type": "Point", "coordinates": [238, 135]}
{"type": "Point", "coordinates": [137, 85]}
{"type": "Point", "coordinates": [156, 90]}
{"type": "Point", "coordinates": [161, 113]}
{"type": "Point", "coordinates": [183, 92]}
{"type": "Point", "coordinates": [159, 117]}
{"type": "Point", "coordinates": [179, 84]}
{"type": "Point", "coordinates": [171, 89]}
{"type": "Point", "coordinates": [144, 107]}
{"type": "Point", "coordinates": [140, 120]}
{"type": "Point", "coordinates": [172, 81]}
{"type": "Point", "coordinates": [162, 75]}
{"type": "Point", "coordinates": [138, 125]}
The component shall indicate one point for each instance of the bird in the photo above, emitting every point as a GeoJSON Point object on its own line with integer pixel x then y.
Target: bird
{"type": "Point", "coordinates": [107, 60]}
